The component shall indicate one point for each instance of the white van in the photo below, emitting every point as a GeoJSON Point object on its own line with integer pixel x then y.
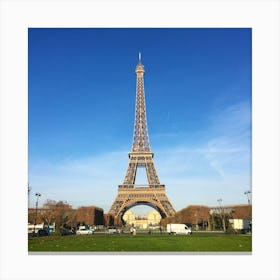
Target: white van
{"type": "Point", "coordinates": [178, 229]}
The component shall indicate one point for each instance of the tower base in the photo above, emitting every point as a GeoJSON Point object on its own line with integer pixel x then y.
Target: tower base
{"type": "Point", "coordinates": [130, 196]}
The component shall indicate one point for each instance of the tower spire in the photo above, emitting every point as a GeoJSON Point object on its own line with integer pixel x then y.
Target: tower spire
{"type": "Point", "coordinates": [140, 136]}
{"type": "Point", "coordinates": [139, 58]}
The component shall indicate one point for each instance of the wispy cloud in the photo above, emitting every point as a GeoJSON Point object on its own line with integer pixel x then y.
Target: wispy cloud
{"type": "Point", "coordinates": [233, 120]}
{"type": "Point", "coordinates": [83, 181]}
{"type": "Point", "coordinates": [220, 165]}
{"type": "Point", "coordinates": [229, 146]}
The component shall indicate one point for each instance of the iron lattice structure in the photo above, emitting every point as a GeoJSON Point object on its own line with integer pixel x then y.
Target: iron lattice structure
{"type": "Point", "coordinates": [141, 155]}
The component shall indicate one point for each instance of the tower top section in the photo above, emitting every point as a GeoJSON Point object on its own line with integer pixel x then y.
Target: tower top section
{"type": "Point", "coordinates": [140, 67]}
{"type": "Point", "coordinates": [140, 136]}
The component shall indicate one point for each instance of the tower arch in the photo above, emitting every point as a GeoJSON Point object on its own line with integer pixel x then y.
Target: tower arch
{"type": "Point", "coordinates": [139, 202]}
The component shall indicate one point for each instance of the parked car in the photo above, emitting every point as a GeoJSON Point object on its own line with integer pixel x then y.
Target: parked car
{"type": "Point", "coordinates": [112, 230]}
{"type": "Point", "coordinates": [32, 234]}
{"type": "Point", "coordinates": [43, 232]}
{"type": "Point", "coordinates": [84, 230]}
{"type": "Point", "coordinates": [64, 232]}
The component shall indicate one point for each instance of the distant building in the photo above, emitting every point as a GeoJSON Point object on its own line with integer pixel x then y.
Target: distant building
{"type": "Point", "coordinates": [154, 218]}
{"type": "Point", "coordinates": [144, 222]}
{"type": "Point", "coordinates": [129, 217]}
{"type": "Point", "coordinates": [241, 211]}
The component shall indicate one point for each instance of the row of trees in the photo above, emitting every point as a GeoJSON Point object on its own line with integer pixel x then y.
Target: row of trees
{"type": "Point", "coordinates": [203, 217]}
{"type": "Point", "coordinates": [64, 216]}
{"type": "Point", "coordinates": [191, 215]}
{"type": "Point", "coordinates": [200, 217]}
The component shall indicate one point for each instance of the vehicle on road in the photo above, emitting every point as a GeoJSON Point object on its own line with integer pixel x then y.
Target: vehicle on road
{"type": "Point", "coordinates": [241, 225]}
{"type": "Point", "coordinates": [64, 232]}
{"type": "Point", "coordinates": [112, 230]}
{"type": "Point", "coordinates": [85, 230]}
{"type": "Point", "coordinates": [35, 228]}
{"type": "Point", "coordinates": [43, 232]}
{"type": "Point", "coordinates": [178, 229]}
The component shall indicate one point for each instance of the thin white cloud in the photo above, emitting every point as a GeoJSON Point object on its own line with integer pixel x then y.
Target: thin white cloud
{"type": "Point", "coordinates": [80, 181]}
{"type": "Point", "coordinates": [230, 145]}
{"type": "Point", "coordinates": [233, 120]}
{"type": "Point", "coordinates": [218, 166]}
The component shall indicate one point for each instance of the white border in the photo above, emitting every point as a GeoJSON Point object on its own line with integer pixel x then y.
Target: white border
{"type": "Point", "coordinates": [262, 16]}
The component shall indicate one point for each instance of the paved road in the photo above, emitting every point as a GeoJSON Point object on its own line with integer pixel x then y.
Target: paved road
{"type": "Point", "coordinates": [157, 233]}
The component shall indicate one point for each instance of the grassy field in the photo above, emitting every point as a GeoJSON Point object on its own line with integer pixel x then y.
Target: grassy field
{"type": "Point", "coordinates": [144, 243]}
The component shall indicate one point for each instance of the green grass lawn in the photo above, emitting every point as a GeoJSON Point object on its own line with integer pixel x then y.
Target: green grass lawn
{"type": "Point", "coordinates": [138, 243]}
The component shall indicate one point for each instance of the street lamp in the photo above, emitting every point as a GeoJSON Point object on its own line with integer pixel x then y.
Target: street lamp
{"type": "Point", "coordinates": [247, 193]}
{"type": "Point", "coordinates": [37, 195]}
{"type": "Point", "coordinates": [222, 216]}
{"type": "Point", "coordinates": [29, 190]}
{"type": "Point", "coordinates": [250, 209]}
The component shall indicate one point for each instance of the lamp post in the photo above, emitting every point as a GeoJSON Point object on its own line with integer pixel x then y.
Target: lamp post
{"type": "Point", "coordinates": [250, 211]}
{"type": "Point", "coordinates": [29, 190]}
{"type": "Point", "coordinates": [37, 195]}
{"type": "Point", "coordinates": [247, 193]}
{"type": "Point", "coordinates": [222, 216]}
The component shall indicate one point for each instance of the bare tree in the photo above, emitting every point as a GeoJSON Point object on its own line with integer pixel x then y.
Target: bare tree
{"type": "Point", "coordinates": [60, 213]}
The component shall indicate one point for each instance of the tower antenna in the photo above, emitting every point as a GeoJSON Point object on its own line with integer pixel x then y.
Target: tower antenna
{"type": "Point", "coordinates": [139, 57]}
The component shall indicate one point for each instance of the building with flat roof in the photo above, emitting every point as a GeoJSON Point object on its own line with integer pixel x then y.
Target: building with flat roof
{"type": "Point", "coordinates": [153, 218]}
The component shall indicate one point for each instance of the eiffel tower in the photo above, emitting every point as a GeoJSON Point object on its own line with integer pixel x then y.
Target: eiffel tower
{"type": "Point", "coordinates": [129, 194]}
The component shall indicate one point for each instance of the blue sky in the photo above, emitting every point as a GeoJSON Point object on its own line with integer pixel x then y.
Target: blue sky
{"type": "Point", "coordinates": [81, 103]}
